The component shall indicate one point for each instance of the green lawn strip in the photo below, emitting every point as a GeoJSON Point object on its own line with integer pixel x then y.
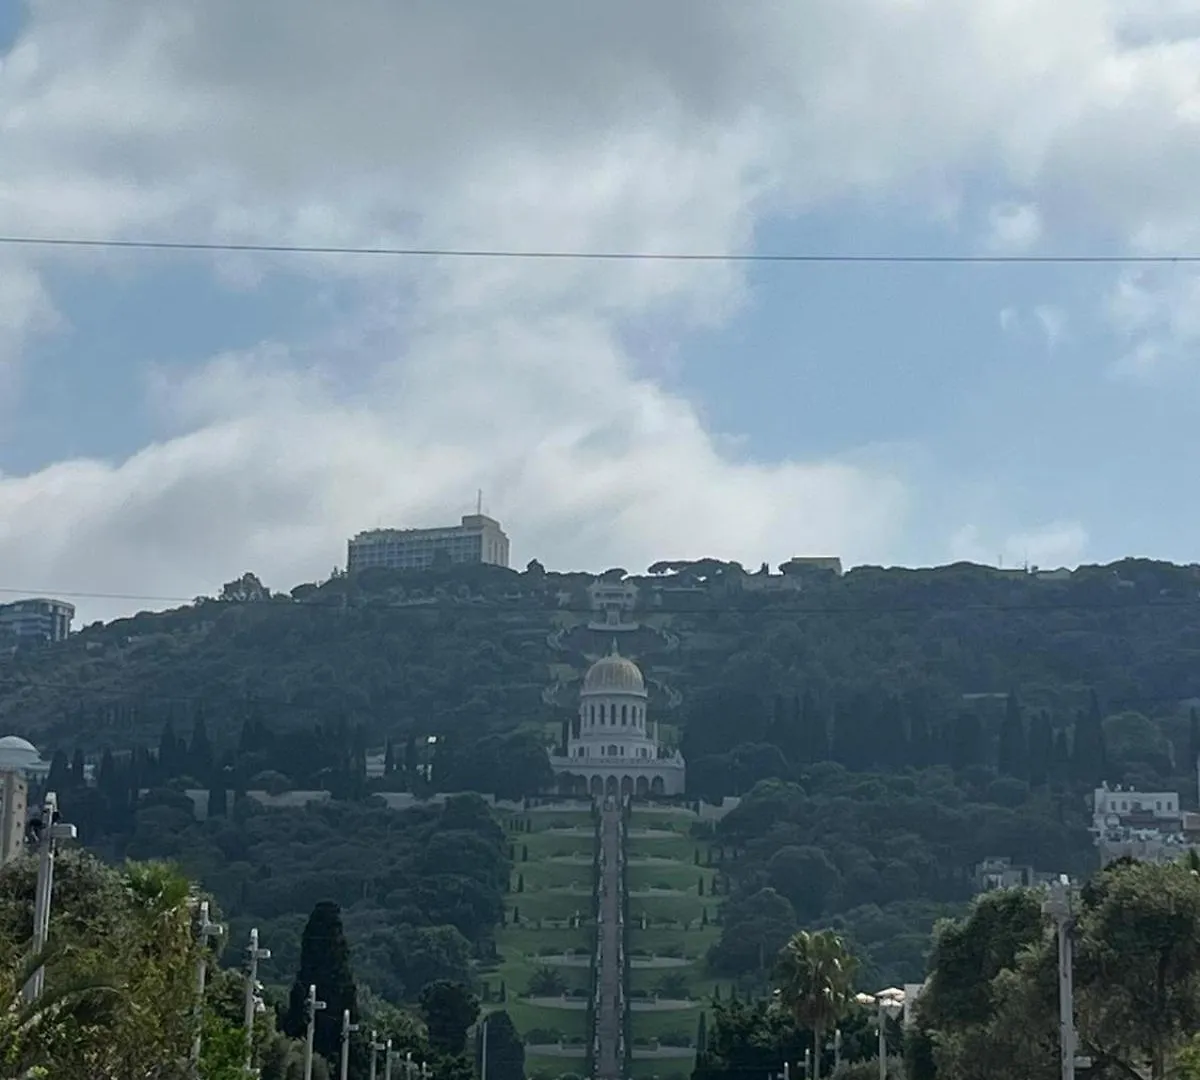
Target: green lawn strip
{"type": "Point", "coordinates": [667, 941]}
{"type": "Point", "coordinates": [543, 904]}
{"type": "Point", "coordinates": [663, 1069]}
{"type": "Point", "coordinates": [570, 1023]}
{"type": "Point", "coordinates": [680, 849]}
{"type": "Point", "coordinates": [550, 1068]}
{"type": "Point", "coordinates": [544, 874]}
{"type": "Point", "coordinates": [669, 907]}
{"type": "Point", "coordinates": [685, 876]}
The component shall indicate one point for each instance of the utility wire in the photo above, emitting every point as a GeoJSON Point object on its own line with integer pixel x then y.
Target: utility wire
{"type": "Point", "coordinates": [443, 605]}
{"type": "Point", "coordinates": [597, 256]}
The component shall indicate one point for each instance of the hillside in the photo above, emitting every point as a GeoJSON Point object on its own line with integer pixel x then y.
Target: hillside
{"type": "Point", "coordinates": [399, 651]}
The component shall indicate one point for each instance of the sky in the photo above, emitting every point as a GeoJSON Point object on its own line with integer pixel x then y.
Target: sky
{"type": "Point", "coordinates": [169, 421]}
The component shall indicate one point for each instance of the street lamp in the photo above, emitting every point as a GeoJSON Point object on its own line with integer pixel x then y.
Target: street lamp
{"type": "Point", "coordinates": [482, 1051]}
{"type": "Point", "coordinates": [253, 1002]}
{"type": "Point", "coordinates": [1058, 907]}
{"type": "Point", "coordinates": [347, 1029]}
{"type": "Point", "coordinates": [374, 1046]}
{"type": "Point", "coordinates": [311, 1007]}
{"type": "Point", "coordinates": [888, 1003]}
{"type": "Point", "coordinates": [206, 929]}
{"type": "Point", "coordinates": [48, 830]}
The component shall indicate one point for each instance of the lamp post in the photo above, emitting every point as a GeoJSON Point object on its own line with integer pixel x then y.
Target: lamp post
{"type": "Point", "coordinates": [347, 1029]}
{"type": "Point", "coordinates": [1058, 907]}
{"type": "Point", "coordinates": [255, 954]}
{"type": "Point", "coordinates": [51, 830]}
{"type": "Point", "coordinates": [374, 1046]}
{"type": "Point", "coordinates": [482, 1051]}
{"type": "Point", "coordinates": [206, 929]}
{"type": "Point", "coordinates": [887, 1003]}
{"type": "Point", "coordinates": [311, 1007]}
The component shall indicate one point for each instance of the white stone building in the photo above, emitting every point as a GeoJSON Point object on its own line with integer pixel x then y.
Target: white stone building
{"type": "Point", "coordinates": [612, 748]}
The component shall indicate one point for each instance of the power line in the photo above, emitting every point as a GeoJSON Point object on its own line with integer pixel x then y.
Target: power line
{"type": "Point", "coordinates": [827, 257]}
{"type": "Point", "coordinates": [443, 605]}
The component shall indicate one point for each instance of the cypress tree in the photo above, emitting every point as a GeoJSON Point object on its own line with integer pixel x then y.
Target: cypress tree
{"type": "Point", "coordinates": [702, 1033]}
{"type": "Point", "coordinates": [1193, 738]}
{"type": "Point", "coordinates": [325, 963]}
{"type": "Point", "coordinates": [200, 755]}
{"type": "Point", "coordinates": [1090, 755]}
{"type": "Point", "coordinates": [59, 777]}
{"type": "Point", "coordinates": [168, 752]}
{"type": "Point", "coordinates": [505, 1050]}
{"type": "Point", "coordinates": [78, 769]}
{"type": "Point", "coordinates": [1041, 749]}
{"type": "Point", "coordinates": [1013, 751]}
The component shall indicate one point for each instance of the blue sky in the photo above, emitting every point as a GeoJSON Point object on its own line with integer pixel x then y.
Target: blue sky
{"type": "Point", "coordinates": [170, 420]}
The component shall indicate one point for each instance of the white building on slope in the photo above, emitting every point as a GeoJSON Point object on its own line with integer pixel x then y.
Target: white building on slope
{"type": "Point", "coordinates": [611, 747]}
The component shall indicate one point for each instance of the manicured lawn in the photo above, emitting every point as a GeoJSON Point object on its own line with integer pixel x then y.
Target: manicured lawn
{"type": "Point", "coordinates": [671, 875]}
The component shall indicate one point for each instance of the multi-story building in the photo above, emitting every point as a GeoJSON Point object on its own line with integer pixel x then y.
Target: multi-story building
{"type": "Point", "coordinates": [36, 619]}
{"type": "Point", "coordinates": [1146, 825]}
{"type": "Point", "coordinates": [20, 762]}
{"type": "Point", "coordinates": [479, 539]}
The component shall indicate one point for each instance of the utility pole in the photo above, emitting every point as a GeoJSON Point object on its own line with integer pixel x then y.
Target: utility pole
{"type": "Point", "coordinates": [347, 1029]}
{"type": "Point", "coordinates": [1058, 907]}
{"type": "Point", "coordinates": [387, 1060]}
{"type": "Point", "coordinates": [374, 1046]}
{"type": "Point", "coordinates": [51, 830]}
{"type": "Point", "coordinates": [255, 954]}
{"type": "Point", "coordinates": [205, 929]}
{"type": "Point", "coordinates": [311, 1007]}
{"type": "Point", "coordinates": [482, 1052]}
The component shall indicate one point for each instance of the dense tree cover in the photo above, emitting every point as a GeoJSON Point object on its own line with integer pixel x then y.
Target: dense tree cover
{"type": "Point", "coordinates": [989, 1010]}
{"type": "Point", "coordinates": [121, 997]}
{"type": "Point", "coordinates": [880, 857]}
{"type": "Point", "coordinates": [420, 891]}
{"type": "Point", "coordinates": [991, 1006]}
{"type": "Point", "coordinates": [396, 651]}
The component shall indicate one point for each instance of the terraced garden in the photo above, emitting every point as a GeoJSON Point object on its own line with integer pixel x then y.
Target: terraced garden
{"type": "Point", "coordinates": [545, 948]}
{"type": "Point", "coordinates": [671, 927]}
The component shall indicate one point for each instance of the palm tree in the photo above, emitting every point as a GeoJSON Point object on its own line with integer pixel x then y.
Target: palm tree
{"type": "Point", "coordinates": [72, 999]}
{"type": "Point", "coordinates": [816, 977]}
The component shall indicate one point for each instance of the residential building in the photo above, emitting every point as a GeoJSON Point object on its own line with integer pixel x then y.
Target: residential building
{"type": "Point", "coordinates": [613, 603]}
{"type": "Point", "coordinates": [36, 619]}
{"type": "Point", "coordinates": [1145, 825]}
{"type": "Point", "coordinates": [999, 872]}
{"type": "Point", "coordinates": [808, 564]}
{"type": "Point", "coordinates": [611, 747]}
{"type": "Point", "coordinates": [20, 762]}
{"type": "Point", "coordinates": [478, 539]}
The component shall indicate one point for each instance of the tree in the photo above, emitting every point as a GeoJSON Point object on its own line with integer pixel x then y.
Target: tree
{"type": "Point", "coordinates": [505, 1050]}
{"type": "Point", "coordinates": [325, 963]}
{"type": "Point", "coordinates": [816, 983]}
{"type": "Point", "coordinates": [1013, 751]}
{"type": "Point", "coordinates": [449, 1009]}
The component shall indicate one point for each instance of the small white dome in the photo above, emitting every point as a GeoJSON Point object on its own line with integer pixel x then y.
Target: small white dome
{"type": "Point", "coordinates": [18, 753]}
{"type": "Point", "coordinates": [614, 674]}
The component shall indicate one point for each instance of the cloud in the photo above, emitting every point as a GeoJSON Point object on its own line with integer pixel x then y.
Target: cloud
{"type": "Point", "coordinates": [1058, 543]}
{"type": "Point", "coordinates": [532, 125]}
{"type": "Point", "coordinates": [26, 309]}
{"type": "Point", "coordinates": [1013, 228]}
{"type": "Point", "coordinates": [1157, 314]}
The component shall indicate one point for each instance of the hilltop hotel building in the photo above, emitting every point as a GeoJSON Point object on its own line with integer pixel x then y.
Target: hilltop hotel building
{"type": "Point", "coordinates": [610, 750]}
{"type": "Point", "coordinates": [479, 539]}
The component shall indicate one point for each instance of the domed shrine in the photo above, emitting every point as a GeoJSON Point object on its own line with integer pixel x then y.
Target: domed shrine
{"type": "Point", "coordinates": [610, 746]}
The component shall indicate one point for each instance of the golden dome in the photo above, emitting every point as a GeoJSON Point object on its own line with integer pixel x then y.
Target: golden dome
{"type": "Point", "coordinates": [614, 674]}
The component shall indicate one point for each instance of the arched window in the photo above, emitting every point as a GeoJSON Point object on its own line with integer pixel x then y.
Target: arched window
{"type": "Point", "coordinates": [602, 710]}
{"type": "Point", "coordinates": [624, 715]}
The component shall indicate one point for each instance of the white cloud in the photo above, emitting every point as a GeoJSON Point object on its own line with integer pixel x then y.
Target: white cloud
{"type": "Point", "coordinates": [1058, 543]}
{"type": "Point", "coordinates": [532, 124]}
{"type": "Point", "coordinates": [1013, 228]}
{"type": "Point", "coordinates": [1157, 313]}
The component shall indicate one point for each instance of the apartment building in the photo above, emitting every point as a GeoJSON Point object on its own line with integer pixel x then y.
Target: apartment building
{"type": "Point", "coordinates": [478, 539]}
{"type": "Point", "coordinates": [36, 619]}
